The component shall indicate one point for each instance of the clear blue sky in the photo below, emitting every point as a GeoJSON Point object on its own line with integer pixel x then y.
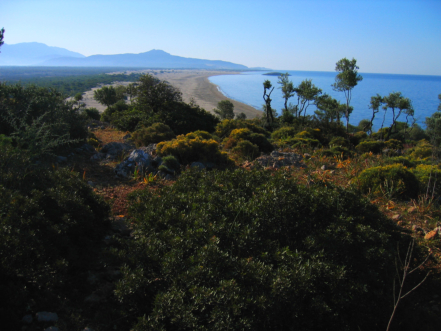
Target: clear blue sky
{"type": "Point", "coordinates": [385, 36]}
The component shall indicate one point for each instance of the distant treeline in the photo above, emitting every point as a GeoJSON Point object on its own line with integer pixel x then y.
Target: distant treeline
{"type": "Point", "coordinates": [67, 80]}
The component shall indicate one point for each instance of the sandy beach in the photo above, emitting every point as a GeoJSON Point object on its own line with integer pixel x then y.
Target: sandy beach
{"type": "Point", "coordinates": [193, 84]}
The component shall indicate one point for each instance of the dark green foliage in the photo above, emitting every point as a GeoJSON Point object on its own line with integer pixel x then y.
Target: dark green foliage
{"type": "Point", "coordinates": [370, 146]}
{"type": "Point", "coordinates": [106, 96]}
{"type": "Point", "coordinates": [429, 178]}
{"type": "Point", "coordinates": [249, 250]}
{"type": "Point", "coordinates": [224, 128]}
{"type": "Point", "coordinates": [393, 144]}
{"type": "Point", "coordinates": [170, 164]}
{"type": "Point", "coordinates": [338, 141]}
{"type": "Point", "coordinates": [155, 95]}
{"type": "Point", "coordinates": [39, 119]}
{"type": "Point", "coordinates": [434, 126]}
{"type": "Point", "coordinates": [130, 119]}
{"type": "Point", "coordinates": [153, 134]}
{"type": "Point", "coordinates": [393, 180]}
{"type": "Point", "coordinates": [68, 80]}
{"type": "Point", "coordinates": [245, 149]}
{"type": "Point", "coordinates": [51, 222]}
{"type": "Point", "coordinates": [183, 118]}
{"type": "Point", "coordinates": [92, 113]}
{"type": "Point", "coordinates": [225, 109]}
{"type": "Point", "coordinates": [400, 159]}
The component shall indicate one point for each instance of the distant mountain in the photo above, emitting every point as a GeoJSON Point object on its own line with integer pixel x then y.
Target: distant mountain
{"type": "Point", "coordinates": [151, 59]}
{"type": "Point", "coordinates": [36, 54]}
{"type": "Point", "coordinates": [29, 54]}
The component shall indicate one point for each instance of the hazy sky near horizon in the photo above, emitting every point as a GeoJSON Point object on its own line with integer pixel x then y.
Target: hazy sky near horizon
{"type": "Point", "coordinates": [385, 36]}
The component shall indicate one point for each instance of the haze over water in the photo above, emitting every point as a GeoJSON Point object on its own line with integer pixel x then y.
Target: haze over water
{"type": "Point", "coordinates": [423, 91]}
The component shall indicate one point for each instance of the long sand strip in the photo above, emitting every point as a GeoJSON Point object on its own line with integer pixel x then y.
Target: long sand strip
{"type": "Point", "coordinates": [193, 84]}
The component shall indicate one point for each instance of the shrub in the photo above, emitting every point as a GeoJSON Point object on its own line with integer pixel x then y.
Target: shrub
{"type": "Point", "coordinates": [394, 144]}
{"type": "Point", "coordinates": [257, 139]}
{"type": "Point", "coordinates": [358, 137]}
{"type": "Point", "coordinates": [170, 164]}
{"type": "Point", "coordinates": [224, 128]}
{"type": "Point", "coordinates": [284, 133]}
{"type": "Point", "coordinates": [370, 146]}
{"type": "Point", "coordinates": [246, 150]}
{"type": "Point", "coordinates": [400, 159]}
{"type": "Point", "coordinates": [39, 119]}
{"type": "Point", "coordinates": [92, 113]}
{"type": "Point", "coordinates": [191, 148]}
{"type": "Point", "coordinates": [429, 178]}
{"type": "Point", "coordinates": [153, 134]}
{"type": "Point", "coordinates": [392, 180]}
{"type": "Point", "coordinates": [422, 150]}
{"type": "Point", "coordinates": [252, 250]}
{"type": "Point", "coordinates": [51, 226]}
{"type": "Point", "coordinates": [338, 141]}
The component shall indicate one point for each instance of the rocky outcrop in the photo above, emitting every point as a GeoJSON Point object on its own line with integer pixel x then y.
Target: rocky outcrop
{"type": "Point", "coordinates": [277, 160]}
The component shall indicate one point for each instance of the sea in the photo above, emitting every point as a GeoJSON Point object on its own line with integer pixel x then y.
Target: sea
{"type": "Point", "coordinates": [423, 91]}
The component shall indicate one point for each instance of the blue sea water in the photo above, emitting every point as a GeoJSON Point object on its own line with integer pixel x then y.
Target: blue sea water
{"type": "Point", "coordinates": [423, 91]}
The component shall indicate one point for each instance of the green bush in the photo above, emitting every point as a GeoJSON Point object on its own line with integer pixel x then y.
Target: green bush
{"type": "Point", "coordinates": [367, 146]}
{"type": "Point", "coordinates": [394, 144]}
{"type": "Point", "coordinates": [339, 141]}
{"type": "Point", "coordinates": [400, 159]}
{"type": "Point", "coordinates": [422, 150]}
{"type": "Point", "coordinates": [39, 119]}
{"type": "Point", "coordinates": [429, 178]}
{"type": "Point", "coordinates": [153, 134]}
{"type": "Point", "coordinates": [393, 181]}
{"type": "Point", "coordinates": [258, 139]}
{"type": "Point", "coordinates": [192, 148]}
{"type": "Point", "coordinates": [50, 228]}
{"type": "Point", "coordinates": [246, 150]}
{"type": "Point", "coordinates": [250, 250]}
{"type": "Point", "coordinates": [224, 128]}
{"type": "Point", "coordinates": [170, 164]}
{"type": "Point", "coordinates": [284, 133]}
{"type": "Point", "coordinates": [92, 113]}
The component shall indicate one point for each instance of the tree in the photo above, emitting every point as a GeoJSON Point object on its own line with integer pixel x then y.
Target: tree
{"type": "Point", "coordinates": [267, 98]}
{"type": "Point", "coordinates": [376, 102]}
{"type": "Point", "coordinates": [395, 100]}
{"type": "Point", "coordinates": [287, 88]}
{"type": "Point", "coordinates": [433, 124]}
{"type": "Point", "coordinates": [106, 96]}
{"type": "Point", "coordinates": [225, 110]}
{"type": "Point", "coordinates": [155, 95]}
{"type": "Point", "coordinates": [2, 34]}
{"type": "Point", "coordinates": [241, 116]}
{"type": "Point", "coordinates": [328, 108]}
{"type": "Point", "coordinates": [346, 80]}
{"type": "Point", "coordinates": [307, 94]}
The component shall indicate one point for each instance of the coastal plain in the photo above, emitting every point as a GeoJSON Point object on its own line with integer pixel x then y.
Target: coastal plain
{"type": "Point", "coordinates": [193, 84]}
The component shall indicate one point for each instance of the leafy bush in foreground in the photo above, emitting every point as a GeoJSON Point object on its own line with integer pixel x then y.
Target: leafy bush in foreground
{"type": "Point", "coordinates": [393, 180]}
{"type": "Point", "coordinates": [51, 222]}
{"type": "Point", "coordinates": [250, 250]}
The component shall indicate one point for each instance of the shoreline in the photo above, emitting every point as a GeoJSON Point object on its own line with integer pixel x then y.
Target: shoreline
{"type": "Point", "coordinates": [193, 84]}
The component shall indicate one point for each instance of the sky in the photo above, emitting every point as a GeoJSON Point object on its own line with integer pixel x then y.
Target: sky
{"type": "Point", "coordinates": [384, 36]}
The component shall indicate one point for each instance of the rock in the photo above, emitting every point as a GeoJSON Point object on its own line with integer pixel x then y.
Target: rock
{"type": "Point", "coordinates": [198, 165]}
{"type": "Point", "coordinates": [307, 156]}
{"type": "Point", "coordinates": [395, 217]}
{"type": "Point", "coordinates": [88, 148]}
{"type": "Point", "coordinates": [52, 328]}
{"type": "Point", "coordinates": [278, 160]}
{"type": "Point", "coordinates": [138, 159]}
{"type": "Point", "coordinates": [113, 150]}
{"type": "Point", "coordinates": [92, 184]}
{"type": "Point", "coordinates": [127, 137]}
{"type": "Point", "coordinates": [324, 167]}
{"type": "Point", "coordinates": [27, 319]}
{"type": "Point", "coordinates": [45, 316]}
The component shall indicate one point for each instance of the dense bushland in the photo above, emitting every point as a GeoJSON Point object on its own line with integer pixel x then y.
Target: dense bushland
{"type": "Point", "coordinates": [252, 250]}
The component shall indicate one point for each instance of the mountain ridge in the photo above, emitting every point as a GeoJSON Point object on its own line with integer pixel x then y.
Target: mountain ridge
{"type": "Point", "coordinates": [38, 54]}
